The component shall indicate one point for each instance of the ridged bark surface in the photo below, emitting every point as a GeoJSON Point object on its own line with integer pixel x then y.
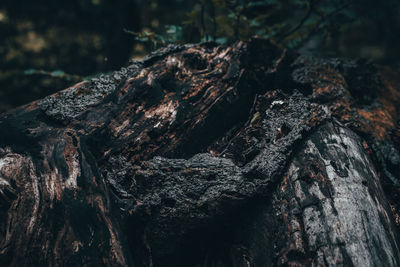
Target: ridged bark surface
{"type": "Point", "coordinates": [207, 155]}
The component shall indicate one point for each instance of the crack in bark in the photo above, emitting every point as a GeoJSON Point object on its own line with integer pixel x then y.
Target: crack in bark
{"type": "Point", "coordinates": [121, 170]}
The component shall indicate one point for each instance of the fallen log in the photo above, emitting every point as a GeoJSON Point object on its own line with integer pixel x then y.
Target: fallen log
{"type": "Point", "coordinates": [207, 155]}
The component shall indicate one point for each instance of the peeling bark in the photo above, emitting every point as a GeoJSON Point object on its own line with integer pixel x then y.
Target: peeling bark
{"type": "Point", "coordinates": [207, 155]}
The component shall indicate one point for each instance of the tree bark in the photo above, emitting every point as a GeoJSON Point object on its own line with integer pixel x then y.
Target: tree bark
{"type": "Point", "coordinates": [207, 155]}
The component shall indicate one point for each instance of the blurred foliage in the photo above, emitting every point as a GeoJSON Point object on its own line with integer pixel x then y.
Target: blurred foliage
{"type": "Point", "coordinates": [353, 28]}
{"type": "Point", "coordinates": [47, 45]}
{"type": "Point", "coordinates": [55, 74]}
{"type": "Point", "coordinates": [80, 37]}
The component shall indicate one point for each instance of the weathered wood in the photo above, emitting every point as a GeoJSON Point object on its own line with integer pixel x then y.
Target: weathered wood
{"type": "Point", "coordinates": [329, 209]}
{"type": "Point", "coordinates": [207, 155]}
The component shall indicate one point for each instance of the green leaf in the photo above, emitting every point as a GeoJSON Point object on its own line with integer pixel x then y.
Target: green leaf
{"type": "Point", "coordinates": [57, 73]}
{"type": "Point", "coordinates": [221, 40]}
{"type": "Point", "coordinates": [29, 72]}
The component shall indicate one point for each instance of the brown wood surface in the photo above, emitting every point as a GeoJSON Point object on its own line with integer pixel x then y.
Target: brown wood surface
{"type": "Point", "coordinates": [207, 155]}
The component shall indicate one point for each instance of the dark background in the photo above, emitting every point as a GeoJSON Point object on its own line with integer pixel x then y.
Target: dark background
{"type": "Point", "coordinates": [47, 45]}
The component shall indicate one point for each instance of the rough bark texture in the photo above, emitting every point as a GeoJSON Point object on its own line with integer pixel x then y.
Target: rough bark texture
{"type": "Point", "coordinates": [207, 155]}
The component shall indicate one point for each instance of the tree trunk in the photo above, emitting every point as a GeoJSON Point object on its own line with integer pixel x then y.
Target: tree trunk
{"type": "Point", "coordinates": [207, 155]}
